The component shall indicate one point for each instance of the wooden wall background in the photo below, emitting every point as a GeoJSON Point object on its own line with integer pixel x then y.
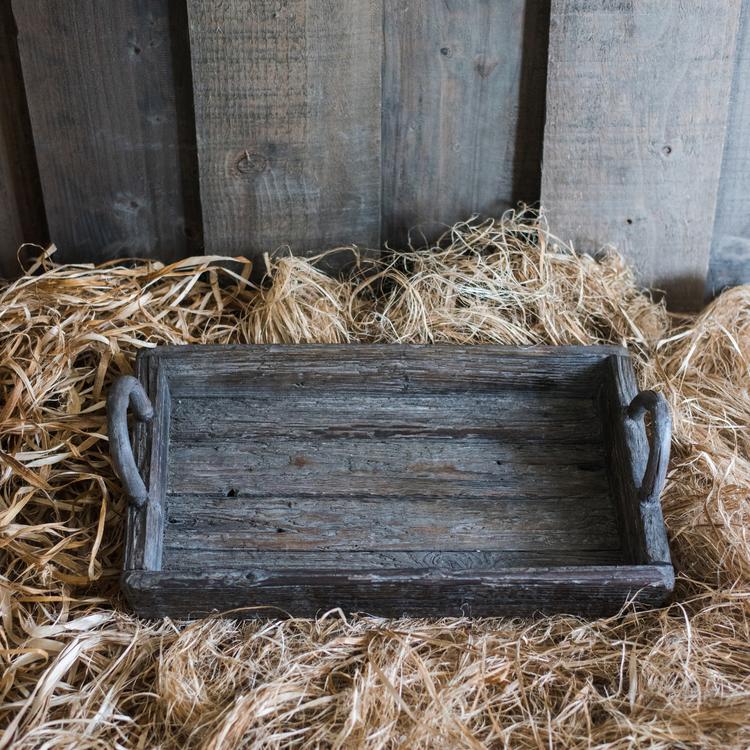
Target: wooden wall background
{"type": "Point", "coordinates": [164, 128]}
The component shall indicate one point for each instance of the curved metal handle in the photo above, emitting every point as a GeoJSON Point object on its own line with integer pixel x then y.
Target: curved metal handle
{"type": "Point", "coordinates": [661, 440]}
{"type": "Point", "coordinates": [127, 389]}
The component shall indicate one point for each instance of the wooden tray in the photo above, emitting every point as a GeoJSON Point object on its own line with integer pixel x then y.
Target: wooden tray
{"type": "Point", "coordinates": [417, 480]}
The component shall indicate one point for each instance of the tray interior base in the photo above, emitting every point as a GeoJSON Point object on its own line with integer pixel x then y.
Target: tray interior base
{"type": "Point", "coordinates": [454, 481]}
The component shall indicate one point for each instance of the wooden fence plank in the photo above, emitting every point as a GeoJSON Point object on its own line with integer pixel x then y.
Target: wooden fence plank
{"type": "Point", "coordinates": [730, 251]}
{"type": "Point", "coordinates": [287, 105]}
{"type": "Point", "coordinates": [21, 209]}
{"type": "Point", "coordinates": [637, 102]}
{"type": "Point", "coordinates": [463, 110]}
{"type": "Point", "coordinates": [103, 86]}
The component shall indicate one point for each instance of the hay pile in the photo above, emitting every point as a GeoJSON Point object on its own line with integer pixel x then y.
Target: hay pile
{"type": "Point", "coordinates": [78, 671]}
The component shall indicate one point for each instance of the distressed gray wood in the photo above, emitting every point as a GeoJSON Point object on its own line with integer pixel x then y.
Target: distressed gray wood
{"type": "Point", "coordinates": [730, 249]}
{"type": "Point", "coordinates": [185, 556]}
{"type": "Point", "coordinates": [127, 391]}
{"type": "Point", "coordinates": [112, 120]}
{"type": "Point", "coordinates": [463, 111]}
{"type": "Point", "coordinates": [287, 103]}
{"type": "Point", "coordinates": [654, 477]}
{"type": "Point", "coordinates": [385, 368]}
{"type": "Point", "coordinates": [643, 533]}
{"type": "Point", "coordinates": [392, 521]}
{"type": "Point", "coordinates": [637, 107]}
{"type": "Point", "coordinates": [590, 591]}
{"type": "Point", "coordinates": [21, 208]}
{"type": "Point", "coordinates": [311, 410]}
{"type": "Point", "coordinates": [304, 475]}
{"type": "Point", "coordinates": [145, 524]}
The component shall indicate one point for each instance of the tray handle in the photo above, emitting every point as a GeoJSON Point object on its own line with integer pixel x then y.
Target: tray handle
{"type": "Point", "coordinates": [127, 390]}
{"type": "Point", "coordinates": [661, 439]}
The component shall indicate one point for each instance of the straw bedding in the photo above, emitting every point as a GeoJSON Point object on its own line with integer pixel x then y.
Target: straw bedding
{"type": "Point", "coordinates": [79, 671]}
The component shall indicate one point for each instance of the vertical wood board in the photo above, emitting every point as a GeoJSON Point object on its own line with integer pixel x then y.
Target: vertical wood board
{"type": "Point", "coordinates": [463, 103]}
{"type": "Point", "coordinates": [730, 250]}
{"type": "Point", "coordinates": [21, 210]}
{"type": "Point", "coordinates": [637, 104]}
{"type": "Point", "coordinates": [112, 141]}
{"type": "Point", "coordinates": [287, 104]}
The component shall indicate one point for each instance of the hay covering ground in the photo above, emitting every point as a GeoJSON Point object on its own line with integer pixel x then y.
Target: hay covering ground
{"type": "Point", "coordinates": [79, 671]}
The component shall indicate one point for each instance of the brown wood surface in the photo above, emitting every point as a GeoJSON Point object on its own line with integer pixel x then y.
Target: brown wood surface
{"type": "Point", "coordinates": [21, 208]}
{"type": "Point", "coordinates": [110, 102]}
{"type": "Point", "coordinates": [287, 98]}
{"type": "Point", "coordinates": [637, 107]}
{"type": "Point", "coordinates": [463, 111]}
{"type": "Point", "coordinates": [439, 470]}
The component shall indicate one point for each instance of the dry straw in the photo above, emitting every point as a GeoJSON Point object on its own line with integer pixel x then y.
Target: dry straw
{"type": "Point", "coordinates": [79, 671]}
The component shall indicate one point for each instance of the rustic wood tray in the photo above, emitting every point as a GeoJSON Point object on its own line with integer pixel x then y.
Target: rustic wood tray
{"type": "Point", "coordinates": [418, 480]}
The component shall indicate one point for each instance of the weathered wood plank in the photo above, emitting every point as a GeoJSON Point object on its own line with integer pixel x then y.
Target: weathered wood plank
{"type": "Point", "coordinates": [327, 468]}
{"type": "Point", "coordinates": [112, 122]}
{"type": "Point", "coordinates": [21, 207]}
{"type": "Point", "coordinates": [591, 591]}
{"type": "Point", "coordinates": [186, 556]}
{"type": "Point", "coordinates": [463, 104]}
{"type": "Point", "coordinates": [730, 249]}
{"type": "Point", "coordinates": [255, 416]}
{"type": "Point", "coordinates": [242, 370]}
{"type": "Point", "coordinates": [637, 106]}
{"type": "Point", "coordinates": [391, 522]}
{"type": "Point", "coordinates": [287, 101]}
{"type": "Point", "coordinates": [643, 533]}
{"type": "Point", "coordinates": [145, 525]}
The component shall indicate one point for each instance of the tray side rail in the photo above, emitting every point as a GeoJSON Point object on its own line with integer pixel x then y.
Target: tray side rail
{"type": "Point", "coordinates": [590, 591]}
{"type": "Point", "coordinates": [637, 468]}
{"type": "Point", "coordinates": [145, 522]}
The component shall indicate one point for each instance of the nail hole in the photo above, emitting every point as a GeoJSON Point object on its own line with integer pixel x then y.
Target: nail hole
{"type": "Point", "coordinates": [667, 150]}
{"type": "Point", "coordinates": [133, 204]}
{"type": "Point", "coordinates": [232, 493]}
{"type": "Point", "coordinates": [628, 221]}
{"type": "Point", "coordinates": [445, 51]}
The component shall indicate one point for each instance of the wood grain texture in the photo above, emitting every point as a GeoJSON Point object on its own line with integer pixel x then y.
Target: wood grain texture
{"type": "Point", "coordinates": [145, 525]}
{"type": "Point", "coordinates": [180, 558]}
{"type": "Point", "coordinates": [111, 118]}
{"type": "Point", "coordinates": [643, 533]}
{"type": "Point", "coordinates": [412, 468]}
{"type": "Point", "coordinates": [383, 368]}
{"type": "Point", "coordinates": [463, 104]}
{"type": "Point", "coordinates": [21, 207]}
{"type": "Point", "coordinates": [591, 591]}
{"type": "Point", "coordinates": [637, 106]}
{"type": "Point", "coordinates": [730, 249]}
{"type": "Point", "coordinates": [287, 102]}
{"type": "Point", "coordinates": [393, 521]}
